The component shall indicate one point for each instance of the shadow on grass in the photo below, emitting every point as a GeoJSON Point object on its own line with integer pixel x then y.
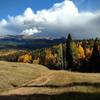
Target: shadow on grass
{"type": "Point", "coordinates": [95, 85]}
{"type": "Point", "coordinates": [64, 96]}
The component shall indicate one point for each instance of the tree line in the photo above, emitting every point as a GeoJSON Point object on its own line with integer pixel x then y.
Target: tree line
{"type": "Point", "coordinates": [74, 55]}
{"type": "Point", "coordinates": [88, 60]}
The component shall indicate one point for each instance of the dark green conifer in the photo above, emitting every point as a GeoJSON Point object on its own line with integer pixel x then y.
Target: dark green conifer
{"type": "Point", "coordinates": [95, 58]}
{"type": "Point", "coordinates": [69, 57]}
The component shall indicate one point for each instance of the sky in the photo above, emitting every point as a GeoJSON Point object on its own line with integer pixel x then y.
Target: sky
{"type": "Point", "coordinates": [54, 18]}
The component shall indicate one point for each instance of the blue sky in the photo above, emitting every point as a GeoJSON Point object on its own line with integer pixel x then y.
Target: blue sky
{"type": "Point", "coordinates": [15, 7]}
{"type": "Point", "coordinates": [50, 17]}
{"type": "Point", "coordinates": [87, 5]}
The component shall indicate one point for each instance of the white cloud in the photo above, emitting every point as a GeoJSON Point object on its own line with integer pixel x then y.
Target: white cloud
{"type": "Point", "coordinates": [3, 22]}
{"type": "Point", "coordinates": [60, 19]}
{"type": "Point", "coordinates": [30, 31]}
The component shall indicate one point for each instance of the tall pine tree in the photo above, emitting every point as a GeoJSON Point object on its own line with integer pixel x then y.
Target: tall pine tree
{"type": "Point", "coordinates": [69, 57]}
{"type": "Point", "coordinates": [95, 58]}
{"type": "Point", "coordinates": [95, 53]}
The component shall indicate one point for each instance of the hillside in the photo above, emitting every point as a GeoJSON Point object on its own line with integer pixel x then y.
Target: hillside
{"type": "Point", "coordinates": [15, 74]}
{"type": "Point", "coordinates": [21, 81]}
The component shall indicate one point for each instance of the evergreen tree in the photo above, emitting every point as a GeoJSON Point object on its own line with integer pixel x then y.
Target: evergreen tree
{"type": "Point", "coordinates": [84, 46]}
{"type": "Point", "coordinates": [95, 53]}
{"type": "Point", "coordinates": [95, 58]}
{"type": "Point", "coordinates": [69, 57]}
{"type": "Point", "coordinates": [42, 56]}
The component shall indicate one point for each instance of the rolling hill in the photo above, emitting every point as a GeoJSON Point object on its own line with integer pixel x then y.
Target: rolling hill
{"type": "Point", "coordinates": [22, 81]}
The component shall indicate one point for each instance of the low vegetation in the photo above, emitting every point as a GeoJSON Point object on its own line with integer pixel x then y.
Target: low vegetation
{"type": "Point", "coordinates": [13, 75]}
{"type": "Point", "coordinates": [36, 81]}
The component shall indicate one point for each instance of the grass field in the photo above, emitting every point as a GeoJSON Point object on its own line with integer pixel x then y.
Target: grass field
{"type": "Point", "coordinates": [22, 81]}
{"type": "Point", "coordinates": [15, 74]}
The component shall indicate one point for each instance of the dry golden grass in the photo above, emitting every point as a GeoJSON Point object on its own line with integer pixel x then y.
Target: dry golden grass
{"type": "Point", "coordinates": [37, 79]}
{"type": "Point", "coordinates": [14, 74]}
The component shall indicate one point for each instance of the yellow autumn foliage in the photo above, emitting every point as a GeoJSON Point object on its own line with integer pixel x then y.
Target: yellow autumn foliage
{"type": "Point", "coordinates": [50, 57]}
{"type": "Point", "coordinates": [88, 52]}
{"type": "Point", "coordinates": [80, 54]}
{"type": "Point", "coordinates": [27, 58]}
{"type": "Point", "coordinates": [78, 51]}
{"type": "Point", "coordinates": [36, 61]}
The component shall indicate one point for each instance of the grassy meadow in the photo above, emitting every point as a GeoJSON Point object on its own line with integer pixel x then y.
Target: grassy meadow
{"type": "Point", "coordinates": [20, 81]}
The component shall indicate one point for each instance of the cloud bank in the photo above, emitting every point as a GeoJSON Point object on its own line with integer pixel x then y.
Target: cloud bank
{"type": "Point", "coordinates": [60, 19]}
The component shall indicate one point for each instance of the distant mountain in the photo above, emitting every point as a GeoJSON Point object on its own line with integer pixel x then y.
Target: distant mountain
{"type": "Point", "coordinates": [28, 42]}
